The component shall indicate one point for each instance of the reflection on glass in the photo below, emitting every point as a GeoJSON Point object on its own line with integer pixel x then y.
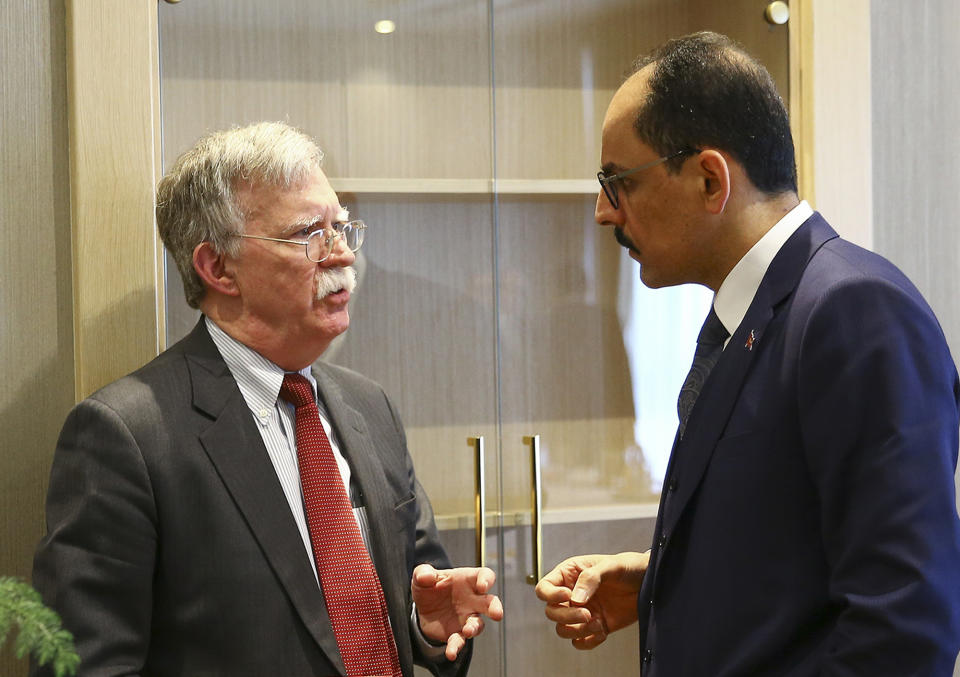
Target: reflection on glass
{"type": "Point", "coordinates": [659, 331]}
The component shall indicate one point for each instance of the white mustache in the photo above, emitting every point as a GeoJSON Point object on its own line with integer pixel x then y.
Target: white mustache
{"type": "Point", "coordinates": [330, 280]}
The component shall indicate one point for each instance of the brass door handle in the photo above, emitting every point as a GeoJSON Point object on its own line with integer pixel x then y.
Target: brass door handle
{"type": "Point", "coordinates": [537, 500]}
{"type": "Point", "coordinates": [480, 500]}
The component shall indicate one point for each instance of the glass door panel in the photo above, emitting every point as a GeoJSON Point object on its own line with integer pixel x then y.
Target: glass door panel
{"type": "Point", "coordinates": [405, 121]}
{"type": "Point", "coordinates": [591, 360]}
{"type": "Point", "coordinates": [423, 325]}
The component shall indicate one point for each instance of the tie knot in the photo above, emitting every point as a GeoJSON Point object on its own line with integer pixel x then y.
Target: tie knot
{"type": "Point", "coordinates": [713, 331]}
{"type": "Point", "coordinates": [296, 390]}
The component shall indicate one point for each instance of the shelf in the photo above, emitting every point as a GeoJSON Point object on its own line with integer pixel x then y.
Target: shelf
{"type": "Point", "coordinates": [603, 513]}
{"type": "Point", "coordinates": [468, 186]}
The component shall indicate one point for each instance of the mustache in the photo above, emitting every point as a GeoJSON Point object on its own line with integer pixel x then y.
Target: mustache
{"type": "Point", "coordinates": [625, 241]}
{"type": "Point", "coordinates": [330, 280]}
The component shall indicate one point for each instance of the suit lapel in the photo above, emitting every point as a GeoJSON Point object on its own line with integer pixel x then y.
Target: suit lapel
{"type": "Point", "coordinates": [720, 393]}
{"type": "Point", "coordinates": [236, 449]}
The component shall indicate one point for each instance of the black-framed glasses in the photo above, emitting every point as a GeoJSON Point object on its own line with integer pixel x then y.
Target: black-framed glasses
{"type": "Point", "coordinates": [319, 244]}
{"type": "Point", "coordinates": [608, 181]}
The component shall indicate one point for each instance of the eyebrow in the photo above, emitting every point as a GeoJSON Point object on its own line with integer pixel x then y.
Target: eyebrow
{"type": "Point", "coordinates": [302, 223]}
{"type": "Point", "coordinates": [611, 168]}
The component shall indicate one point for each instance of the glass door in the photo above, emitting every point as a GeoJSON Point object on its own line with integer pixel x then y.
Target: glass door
{"type": "Point", "coordinates": [402, 111]}
{"type": "Point", "coordinates": [466, 134]}
{"type": "Point", "coordinates": [591, 360]}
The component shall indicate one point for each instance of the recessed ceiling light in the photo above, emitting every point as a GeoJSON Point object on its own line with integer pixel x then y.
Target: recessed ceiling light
{"type": "Point", "coordinates": [385, 26]}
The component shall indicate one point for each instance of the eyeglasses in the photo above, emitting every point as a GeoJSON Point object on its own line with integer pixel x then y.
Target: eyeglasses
{"type": "Point", "coordinates": [608, 182]}
{"type": "Point", "coordinates": [319, 244]}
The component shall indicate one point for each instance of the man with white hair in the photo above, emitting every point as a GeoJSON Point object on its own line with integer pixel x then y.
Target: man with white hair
{"type": "Point", "coordinates": [231, 508]}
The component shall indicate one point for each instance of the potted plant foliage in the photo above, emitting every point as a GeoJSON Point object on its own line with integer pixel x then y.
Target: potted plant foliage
{"type": "Point", "coordinates": [39, 629]}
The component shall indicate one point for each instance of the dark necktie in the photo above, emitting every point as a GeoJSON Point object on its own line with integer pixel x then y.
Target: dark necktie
{"type": "Point", "coordinates": [709, 346]}
{"type": "Point", "coordinates": [355, 602]}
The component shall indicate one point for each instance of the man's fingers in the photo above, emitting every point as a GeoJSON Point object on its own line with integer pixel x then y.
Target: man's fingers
{"type": "Point", "coordinates": [563, 585]}
{"type": "Point", "coordinates": [580, 630]}
{"type": "Point", "coordinates": [486, 577]}
{"type": "Point", "coordinates": [494, 607]}
{"type": "Point", "coordinates": [552, 582]}
{"type": "Point", "coordinates": [455, 643]}
{"type": "Point", "coordinates": [424, 576]}
{"type": "Point", "coordinates": [472, 627]}
{"type": "Point", "coordinates": [568, 615]}
{"type": "Point", "coordinates": [587, 583]}
{"type": "Point", "coordinates": [552, 593]}
{"type": "Point", "coordinates": [587, 643]}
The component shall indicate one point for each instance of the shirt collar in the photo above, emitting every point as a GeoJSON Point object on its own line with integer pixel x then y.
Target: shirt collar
{"type": "Point", "coordinates": [258, 378]}
{"type": "Point", "coordinates": [740, 286]}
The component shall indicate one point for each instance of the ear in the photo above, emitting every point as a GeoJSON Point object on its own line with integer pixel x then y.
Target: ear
{"type": "Point", "coordinates": [715, 172]}
{"type": "Point", "coordinates": [213, 270]}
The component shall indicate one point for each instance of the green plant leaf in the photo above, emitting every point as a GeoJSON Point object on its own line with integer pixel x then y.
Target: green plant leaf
{"type": "Point", "coordinates": [40, 632]}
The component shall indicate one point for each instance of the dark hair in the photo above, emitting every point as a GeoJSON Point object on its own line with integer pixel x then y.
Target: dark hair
{"type": "Point", "coordinates": [705, 90]}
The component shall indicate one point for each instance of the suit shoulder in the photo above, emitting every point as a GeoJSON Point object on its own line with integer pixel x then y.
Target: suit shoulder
{"type": "Point", "coordinates": [848, 291]}
{"type": "Point", "coordinates": [348, 378]}
{"type": "Point", "coordinates": [844, 260]}
{"type": "Point", "coordinates": [146, 387]}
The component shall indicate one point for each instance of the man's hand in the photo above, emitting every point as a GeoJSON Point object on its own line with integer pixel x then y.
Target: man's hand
{"type": "Point", "coordinates": [590, 596]}
{"type": "Point", "coordinates": [451, 603]}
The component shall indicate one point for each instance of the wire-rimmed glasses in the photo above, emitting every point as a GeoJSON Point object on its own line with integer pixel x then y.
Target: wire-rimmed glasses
{"type": "Point", "coordinates": [319, 244]}
{"type": "Point", "coordinates": [608, 182]}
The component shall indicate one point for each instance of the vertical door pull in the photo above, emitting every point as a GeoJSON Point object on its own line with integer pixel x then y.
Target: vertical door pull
{"type": "Point", "coordinates": [480, 501]}
{"type": "Point", "coordinates": [536, 496]}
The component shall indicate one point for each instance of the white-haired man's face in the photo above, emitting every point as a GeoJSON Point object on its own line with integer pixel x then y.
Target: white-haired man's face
{"type": "Point", "coordinates": [293, 305]}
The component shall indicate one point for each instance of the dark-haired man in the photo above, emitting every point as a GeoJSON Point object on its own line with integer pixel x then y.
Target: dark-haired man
{"type": "Point", "coordinates": [808, 521]}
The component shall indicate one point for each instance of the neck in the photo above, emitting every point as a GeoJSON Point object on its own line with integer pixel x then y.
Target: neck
{"type": "Point", "coordinates": [287, 351]}
{"type": "Point", "coordinates": [745, 221]}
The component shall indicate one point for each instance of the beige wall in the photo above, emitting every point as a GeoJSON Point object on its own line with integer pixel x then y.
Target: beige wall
{"type": "Point", "coordinates": [916, 149]}
{"type": "Point", "coordinates": [36, 335]}
{"type": "Point", "coordinates": [839, 40]}
{"type": "Point", "coordinates": [78, 252]}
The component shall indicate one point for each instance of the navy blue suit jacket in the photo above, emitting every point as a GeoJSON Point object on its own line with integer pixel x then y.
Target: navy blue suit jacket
{"type": "Point", "coordinates": [808, 523]}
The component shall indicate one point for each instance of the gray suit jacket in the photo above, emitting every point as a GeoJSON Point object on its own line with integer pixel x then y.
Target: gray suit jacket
{"type": "Point", "coordinates": [171, 549]}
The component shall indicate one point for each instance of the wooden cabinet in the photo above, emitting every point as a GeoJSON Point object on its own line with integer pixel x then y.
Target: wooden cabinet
{"type": "Point", "coordinates": [489, 303]}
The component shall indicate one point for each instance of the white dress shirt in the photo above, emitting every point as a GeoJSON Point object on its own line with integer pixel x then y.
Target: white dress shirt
{"type": "Point", "coordinates": [740, 286]}
{"type": "Point", "coordinates": [259, 381]}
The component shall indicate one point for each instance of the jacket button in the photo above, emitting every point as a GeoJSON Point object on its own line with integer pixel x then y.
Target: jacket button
{"type": "Point", "coordinates": [672, 486]}
{"type": "Point", "coordinates": [648, 655]}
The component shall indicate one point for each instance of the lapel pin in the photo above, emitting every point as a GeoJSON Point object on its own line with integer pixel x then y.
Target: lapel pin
{"type": "Point", "coordinates": [750, 340]}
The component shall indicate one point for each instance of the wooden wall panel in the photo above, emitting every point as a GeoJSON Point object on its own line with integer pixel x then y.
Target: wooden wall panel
{"type": "Point", "coordinates": [78, 273]}
{"type": "Point", "coordinates": [916, 114]}
{"type": "Point", "coordinates": [114, 151]}
{"type": "Point", "coordinates": [841, 146]}
{"type": "Point", "coordinates": [36, 336]}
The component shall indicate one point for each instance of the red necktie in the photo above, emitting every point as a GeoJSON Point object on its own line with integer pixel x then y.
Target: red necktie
{"type": "Point", "coordinates": [355, 602]}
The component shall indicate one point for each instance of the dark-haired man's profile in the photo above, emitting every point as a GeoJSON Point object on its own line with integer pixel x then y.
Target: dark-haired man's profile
{"type": "Point", "coordinates": [808, 521]}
